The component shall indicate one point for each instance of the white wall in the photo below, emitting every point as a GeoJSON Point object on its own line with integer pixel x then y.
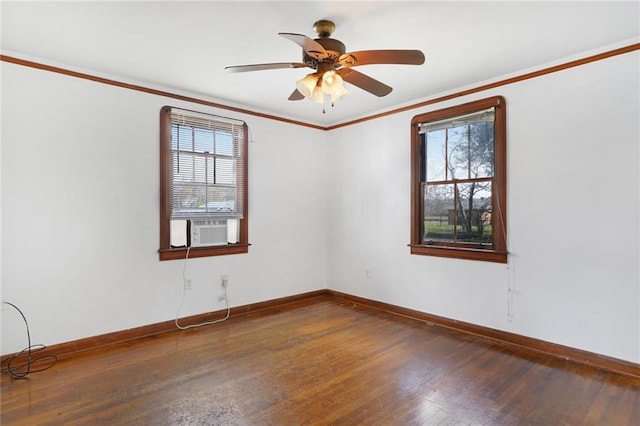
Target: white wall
{"type": "Point", "coordinates": [573, 215]}
{"type": "Point", "coordinates": [79, 254]}
{"type": "Point", "coordinates": [80, 197]}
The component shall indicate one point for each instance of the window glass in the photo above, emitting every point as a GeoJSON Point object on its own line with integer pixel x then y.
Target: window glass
{"type": "Point", "coordinates": [457, 152]}
{"type": "Point", "coordinates": [438, 203]}
{"type": "Point", "coordinates": [435, 155]}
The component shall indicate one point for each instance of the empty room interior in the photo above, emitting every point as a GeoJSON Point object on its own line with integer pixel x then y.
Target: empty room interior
{"type": "Point", "coordinates": [287, 213]}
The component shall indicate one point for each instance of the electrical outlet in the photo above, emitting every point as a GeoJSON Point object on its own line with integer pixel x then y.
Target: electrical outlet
{"type": "Point", "coordinates": [187, 284]}
{"type": "Point", "coordinates": [224, 280]}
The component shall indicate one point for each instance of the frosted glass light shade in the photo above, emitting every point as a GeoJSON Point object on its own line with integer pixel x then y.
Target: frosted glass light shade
{"type": "Point", "coordinates": [339, 94]}
{"type": "Point", "coordinates": [307, 85]}
{"type": "Point", "coordinates": [317, 95]}
{"type": "Point", "coordinates": [331, 83]}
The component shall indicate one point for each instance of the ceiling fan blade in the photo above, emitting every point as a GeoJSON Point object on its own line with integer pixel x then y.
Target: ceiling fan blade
{"type": "Point", "coordinates": [258, 67]}
{"type": "Point", "coordinates": [369, 57]}
{"type": "Point", "coordinates": [312, 47]}
{"type": "Point", "coordinates": [364, 82]}
{"type": "Point", "coordinates": [296, 96]}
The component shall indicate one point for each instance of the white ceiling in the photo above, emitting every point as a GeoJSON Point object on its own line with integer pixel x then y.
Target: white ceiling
{"type": "Point", "coordinates": [184, 46]}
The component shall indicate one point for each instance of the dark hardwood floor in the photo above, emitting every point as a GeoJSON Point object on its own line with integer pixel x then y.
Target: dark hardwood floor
{"type": "Point", "coordinates": [319, 362]}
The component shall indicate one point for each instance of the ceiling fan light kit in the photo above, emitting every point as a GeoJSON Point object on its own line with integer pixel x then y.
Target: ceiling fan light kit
{"type": "Point", "coordinates": [316, 86]}
{"type": "Point", "coordinates": [333, 66]}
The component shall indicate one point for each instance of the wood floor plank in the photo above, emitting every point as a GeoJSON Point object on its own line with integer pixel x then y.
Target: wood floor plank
{"type": "Point", "coordinates": [318, 363]}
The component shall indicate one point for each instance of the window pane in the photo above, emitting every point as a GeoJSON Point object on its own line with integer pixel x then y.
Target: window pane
{"type": "Point", "coordinates": [482, 155]}
{"type": "Point", "coordinates": [224, 143]}
{"type": "Point", "coordinates": [211, 170]}
{"type": "Point", "coordinates": [435, 155]}
{"type": "Point", "coordinates": [220, 199]}
{"type": "Point", "coordinates": [474, 213]}
{"type": "Point", "coordinates": [202, 140]}
{"type": "Point", "coordinates": [438, 208]}
{"type": "Point", "coordinates": [199, 169]}
{"type": "Point", "coordinates": [458, 147]}
{"type": "Point", "coordinates": [224, 171]}
{"type": "Point", "coordinates": [190, 200]}
{"type": "Point", "coordinates": [187, 198]}
{"type": "Point", "coordinates": [181, 137]}
{"type": "Point", "coordinates": [182, 167]}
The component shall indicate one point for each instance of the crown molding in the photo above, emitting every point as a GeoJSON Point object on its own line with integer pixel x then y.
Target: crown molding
{"type": "Point", "coordinates": [475, 89]}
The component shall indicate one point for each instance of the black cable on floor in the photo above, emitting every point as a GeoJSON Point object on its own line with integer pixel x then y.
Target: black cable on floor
{"type": "Point", "coordinates": [20, 368]}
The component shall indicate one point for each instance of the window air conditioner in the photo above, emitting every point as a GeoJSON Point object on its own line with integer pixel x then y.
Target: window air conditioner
{"type": "Point", "coordinates": [208, 232]}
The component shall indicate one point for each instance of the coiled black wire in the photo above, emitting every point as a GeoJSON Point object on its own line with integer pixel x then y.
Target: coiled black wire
{"type": "Point", "coordinates": [19, 367]}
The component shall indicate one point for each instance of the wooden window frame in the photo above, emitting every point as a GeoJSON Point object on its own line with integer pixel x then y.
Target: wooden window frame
{"type": "Point", "coordinates": [166, 252]}
{"type": "Point", "coordinates": [498, 251]}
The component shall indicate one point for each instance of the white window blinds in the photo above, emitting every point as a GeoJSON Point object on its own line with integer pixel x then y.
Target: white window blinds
{"type": "Point", "coordinates": [459, 120]}
{"type": "Point", "coordinates": [206, 166]}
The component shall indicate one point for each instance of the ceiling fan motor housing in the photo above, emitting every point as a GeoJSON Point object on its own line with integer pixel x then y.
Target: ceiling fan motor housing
{"type": "Point", "coordinates": [334, 48]}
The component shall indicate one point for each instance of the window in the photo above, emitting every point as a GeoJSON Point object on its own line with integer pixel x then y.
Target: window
{"type": "Point", "coordinates": [203, 185]}
{"type": "Point", "coordinates": [458, 174]}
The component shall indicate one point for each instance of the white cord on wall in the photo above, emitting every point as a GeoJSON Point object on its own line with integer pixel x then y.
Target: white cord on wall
{"type": "Point", "coordinates": [184, 291]}
{"type": "Point", "coordinates": [509, 267]}
{"type": "Point", "coordinates": [510, 291]}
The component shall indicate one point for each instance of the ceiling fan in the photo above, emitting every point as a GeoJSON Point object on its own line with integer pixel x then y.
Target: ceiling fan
{"type": "Point", "coordinates": [333, 65]}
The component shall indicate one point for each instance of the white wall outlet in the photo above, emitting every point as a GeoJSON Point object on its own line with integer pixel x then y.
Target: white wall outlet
{"type": "Point", "coordinates": [187, 284]}
{"type": "Point", "coordinates": [224, 280]}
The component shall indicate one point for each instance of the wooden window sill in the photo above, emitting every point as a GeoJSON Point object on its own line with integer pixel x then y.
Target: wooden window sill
{"type": "Point", "coordinates": [181, 253]}
{"type": "Point", "coordinates": [459, 253]}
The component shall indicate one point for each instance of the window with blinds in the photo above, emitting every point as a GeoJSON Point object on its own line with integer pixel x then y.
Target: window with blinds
{"type": "Point", "coordinates": [206, 166]}
{"type": "Point", "coordinates": [203, 184]}
{"type": "Point", "coordinates": [459, 173]}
